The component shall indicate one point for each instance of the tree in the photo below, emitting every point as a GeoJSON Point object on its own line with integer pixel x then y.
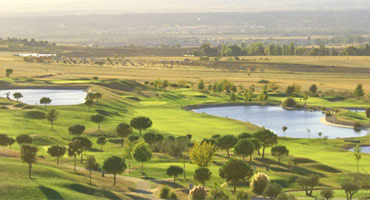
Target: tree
{"type": "Point", "coordinates": [52, 116]}
{"type": "Point", "coordinates": [123, 130]}
{"type": "Point", "coordinates": [77, 129]}
{"type": "Point", "coordinates": [89, 103]}
{"type": "Point", "coordinates": [257, 145]}
{"type": "Point", "coordinates": [233, 97]}
{"type": "Point", "coordinates": [28, 155]}
{"type": "Point", "coordinates": [235, 171]}
{"type": "Point", "coordinates": [24, 139]}
{"type": "Point", "coordinates": [272, 190]}
{"type": "Point", "coordinates": [45, 100]}
{"type": "Point", "coordinates": [57, 151]}
{"type": "Point", "coordinates": [202, 154]}
{"type": "Point", "coordinates": [327, 193]}
{"type": "Point", "coordinates": [141, 123]}
{"type": "Point", "coordinates": [244, 147]}
{"type": "Point", "coordinates": [279, 151]}
{"type": "Point", "coordinates": [350, 189]}
{"type": "Point", "coordinates": [313, 89]}
{"type": "Point", "coordinates": [201, 85]}
{"type": "Point", "coordinates": [357, 154]}
{"type": "Point", "coordinates": [359, 91]}
{"type": "Point", "coordinates": [81, 144]}
{"type": "Point", "coordinates": [142, 153]}
{"type": "Point", "coordinates": [226, 142]}
{"type": "Point", "coordinates": [73, 151]}
{"type": "Point", "coordinates": [174, 171]}
{"type": "Point", "coordinates": [8, 72]}
{"type": "Point", "coordinates": [97, 119]}
{"type": "Point", "coordinates": [367, 112]}
{"type": "Point", "coordinates": [17, 96]}
{"type": "Point", "coordinates": [289, 103]}
{"type": "Point", "coordinates": [202, 174]}
{"type": "Point", "coordinates": [91, 164]}
{"type": "Point", "coordinates": [101, 141]}
{"type": "Point", "coordinates": [91, 96]}
{"type": "Point", "coordinates": [127, 151]}
{"type": "Point", "coordinates": [259, 183]}
{"type": "Point", "coordinates": [307, 183]}
{"type": "Point", "coordinates": [114, 165]}
{"type": "Point", "coordinates": [98, 96]}
{"type": "Point", "coordinates": [284, 128]}
{"type": "Point", "coordinates": [11, 142]}
{"type": "Point", "coordinates": [4, 140]}
{"type": "Point", "coordinates": [267, 139]}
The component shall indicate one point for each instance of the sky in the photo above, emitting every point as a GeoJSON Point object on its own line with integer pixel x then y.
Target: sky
{"type": "Point", "coordinates": [55, 7]}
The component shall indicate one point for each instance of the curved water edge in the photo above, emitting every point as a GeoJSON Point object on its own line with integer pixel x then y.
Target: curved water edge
{"type": "Point", "coordinates": [301, 123]}
{"type": "Point", "coordinates": [59, 95]}
{"type": "Point", "coordinates": [364, 149]}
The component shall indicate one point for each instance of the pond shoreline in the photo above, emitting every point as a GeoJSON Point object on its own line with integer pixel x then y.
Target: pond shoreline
{"type": "Point", "coordinates": [45, 87]}
{"type": "Point", "coordinates": [331, 121]}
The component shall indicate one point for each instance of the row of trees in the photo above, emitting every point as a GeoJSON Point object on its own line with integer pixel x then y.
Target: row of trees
{"type": "Point", "coordinates": [260, 49]}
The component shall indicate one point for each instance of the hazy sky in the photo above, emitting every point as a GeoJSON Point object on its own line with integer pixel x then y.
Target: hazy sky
{"type": "Point", "coordinates": [122, 6]}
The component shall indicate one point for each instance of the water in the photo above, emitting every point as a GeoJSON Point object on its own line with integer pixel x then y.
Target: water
{"type": "Point", "coordinates": [300, 123]}
{"type": "Point", "coordinates": [57, 96]}
{"type": "Point", "coordinates": [365, 149]}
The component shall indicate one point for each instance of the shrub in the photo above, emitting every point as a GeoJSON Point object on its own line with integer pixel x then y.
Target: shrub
{"type": "Point", "coordinates": [241, 195]}
{"type": "Point", "coordinates": [197, 193]}
{"type": "Point", "coordinates": [263, 81]}
{"type": "Point", "coordinates": [164, 193]}
{"type": "Point", "coordinates": [289, 102]}
{"type": "Point", "coordinates": [173, 196]}
{"type": "Point", "coordinates": [259, 183]}
{"type": "Point", "coordinates": [272, 190]}
{"type": "Point", "coordinates": [283, 196]}
{"type": "Point", "coordinates": [327, 193]}
{"type": "Point", "coordinates": [357, 127]}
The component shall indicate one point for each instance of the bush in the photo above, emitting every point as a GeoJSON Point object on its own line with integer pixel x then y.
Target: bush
{"type": "Point", "coordinates": [327, 193]}
{"type": "Point", "coordinates": [357, 127]}
{"type": "Point", "coordinates": [272, 190]}
{"type": "Point", "coordinates": [173, 196]}
{"type": "Point", "coordinates": [259, 183]}
{"type": "Point", "coordinates": [241, 195]}
{"type": "Point", "coordinates": [197, 193]}
{"type": "Point", "coordinates": [289, 102]}
{"type": "Point", "coordinates": [164, 193]}
{"type": "Point", "coordinates": [263, 81]}
{"type": "Point", "coordinates": [283, 196]}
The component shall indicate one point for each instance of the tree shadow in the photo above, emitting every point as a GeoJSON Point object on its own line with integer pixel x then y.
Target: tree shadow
{"type": "Point", "coordinates": [92, 191]}
{"type": "Point", "coordinates": [48, 192]}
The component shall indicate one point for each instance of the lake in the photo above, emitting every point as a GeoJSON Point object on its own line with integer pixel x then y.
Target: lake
{"type": "Point", "coordinates": [57, 96]}
{"type": "Point", "coordinates": [364, 149]}
{"type": "Point", "coordinates": [300, 123]}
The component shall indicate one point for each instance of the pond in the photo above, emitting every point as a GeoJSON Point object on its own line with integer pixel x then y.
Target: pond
{"type": "Point", "coordinates": [300, 123]}
{"type": "Point", "coordinates": [364, 149]}
{"type": "Point", "coordinates": [57, 96]}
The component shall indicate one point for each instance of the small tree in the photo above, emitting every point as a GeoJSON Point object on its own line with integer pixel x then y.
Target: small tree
{"type": "Point", "coordinates": [8, 72]}
{"type": "Point", "coordinates": [123, 130]}
{"type": "Point", "coordinates": [259, 183]}
{"type": "Point", "coordinates": [17, 96]}
{"type": "Point", "coordinates": [98, 96]}
{"type": "Point", "coordinates": [91, 164]}
{"type": "Point", "coordinates": [267, 139]}
{"type": "Point", "coordinates": [226, 142]}
{"type": "Point", "coordinates": [350, 189]}
{"type": "Point", "coordinates": [89, 103]}
{"type": "Point", "coordinates": [52, 116]}
{"type": "Point", "coordinates": [45, 100]}
{"type": "Point", "coordinates": [233, 97]}
{"type": "Point", "coordinates": [272, 190]}
{"type": "Point", "coordinates": [24, 139]}
{"type": "Point", "coordinates": [359, 91]}
{"type": "Point", "coordinates": [114, 165]}
{"type": "Point", "coordinates": [327, 193]}
{"type": "Point", "coordinates": [77, 129]}
{"type": "Point", "coordinates": [201, 85]}
{"type": "Point", "coordinates": [73, 152]}
{"type": "Point", "coordinates": [57, 151]}
{"type": "Point", "coordinates": [202, 155]}
{"type": "Point", "coordinates": [4, 140]}
{"type": "Point", "coordinates": [127, 151]}
{"type": "Point", "coordinates": [367, 112]}
{"type": "Point", "coordinates": [307, 183]}
{"type": "Point", "coordinates": [357, 154]}
{"type": "Point", "coordinates": [174, 171]}
{"type": "Point", "coordinates": [142, 153]}
{"type": "Point", "coordinates": [202, 174]}
{"type": "Point", "coordinates": [197, 193]}
{"type": "Point", "coordinates": [101, 141]}
{"type": "Point", "coordinates": [82, 144]}
{"type": "Point", "coordinates": [141, 123]}
{"type": "Point", "coordinates": [97, 119]}
{"type": "Point", "coordinates": [28, 155]}
{"type": "Point", "coordinates": [279, 151]}
{"type": "Point", "coordinates": [284, 128]}
{"type": "Point", "coordinates": [313, 89]}
{"type": "Point", "coordinates": [11, 142]}
{"type": "Point", "coordinates": [235, 171]}
{"type": "Point", "coordinates": [244, 147]}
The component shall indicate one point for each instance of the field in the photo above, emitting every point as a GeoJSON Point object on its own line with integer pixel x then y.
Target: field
{"type": "Point", "coordinates": [125, 96]}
